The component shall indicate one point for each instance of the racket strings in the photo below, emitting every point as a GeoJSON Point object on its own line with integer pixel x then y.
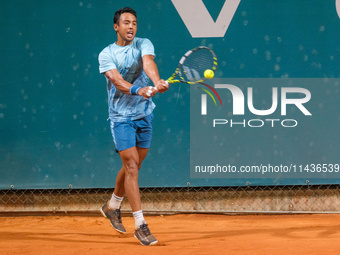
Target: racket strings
{"type": "Point", "coordinates": [196, 63]}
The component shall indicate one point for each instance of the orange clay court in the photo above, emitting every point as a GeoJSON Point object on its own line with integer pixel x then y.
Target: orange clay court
{"type": "Point", "coordinates": [177, 234]}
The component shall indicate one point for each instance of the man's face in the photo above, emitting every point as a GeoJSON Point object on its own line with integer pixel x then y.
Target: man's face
{"type": "Point", "coordinates": [127, 27]}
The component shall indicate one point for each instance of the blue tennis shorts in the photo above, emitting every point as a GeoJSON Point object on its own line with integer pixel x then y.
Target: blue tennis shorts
{"type": "Point", "coordinates": [132, 133]}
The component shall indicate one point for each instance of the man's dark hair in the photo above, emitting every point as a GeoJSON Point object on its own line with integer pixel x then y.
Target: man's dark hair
{"type": "Point", "coordinates": [121, 11]}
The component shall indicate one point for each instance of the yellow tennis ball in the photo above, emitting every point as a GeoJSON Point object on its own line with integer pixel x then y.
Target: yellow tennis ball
{"type": "Point", "coordinates": [208, 74]}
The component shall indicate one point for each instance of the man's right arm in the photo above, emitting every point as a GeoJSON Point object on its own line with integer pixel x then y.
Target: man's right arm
{"type": "Point", "coordinates": [115, 77]}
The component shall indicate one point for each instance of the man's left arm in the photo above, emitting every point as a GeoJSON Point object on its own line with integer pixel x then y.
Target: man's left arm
{"type": "Point", "coordinates": [151, 70]}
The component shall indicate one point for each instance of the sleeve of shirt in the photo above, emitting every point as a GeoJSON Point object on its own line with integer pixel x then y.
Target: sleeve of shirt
{"type": "Point", "coordinates": [147, 48]}
{"type": "Point", "coordinates": [106, 62]}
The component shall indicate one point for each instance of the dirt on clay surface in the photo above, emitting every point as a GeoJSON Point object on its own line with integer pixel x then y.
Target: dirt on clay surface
{"type": "Point", "coordinates": [177, 234]}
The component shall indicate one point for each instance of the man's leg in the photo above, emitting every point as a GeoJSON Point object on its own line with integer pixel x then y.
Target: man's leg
{"type": "Point", "coordinates": [126, 177]}
{"type": "Point", "coordinates": [128, 180]}
{"type": "Point", "coordinates": [132, 161]}
{"type": "Point", "coordinates": [120, 180]}
{"type": "Point", "coordinates": [121, 132]}
{"type": "Point", "coordinates": [111, 210]}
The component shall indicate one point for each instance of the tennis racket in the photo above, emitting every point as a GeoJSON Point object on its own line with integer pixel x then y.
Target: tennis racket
{"type": "Point", "coordinates": [192, 66]}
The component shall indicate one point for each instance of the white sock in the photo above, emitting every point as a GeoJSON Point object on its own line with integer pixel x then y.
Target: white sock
{"type": "Point", "coordinates": [139, 218]}
{"type": "Point", "coordinates": [115, 202]}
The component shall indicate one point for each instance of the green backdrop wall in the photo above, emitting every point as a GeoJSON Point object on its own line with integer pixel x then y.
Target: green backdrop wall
{"type": "Point", "coordinates": [53, 104]}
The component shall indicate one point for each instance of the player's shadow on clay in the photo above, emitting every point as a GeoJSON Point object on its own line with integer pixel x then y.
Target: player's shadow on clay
{"type": "Point", "coordinates": [289, 233]}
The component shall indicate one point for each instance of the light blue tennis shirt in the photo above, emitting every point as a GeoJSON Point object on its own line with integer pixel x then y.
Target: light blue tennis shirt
{"type": "Point", "coordinates": [128, 62]}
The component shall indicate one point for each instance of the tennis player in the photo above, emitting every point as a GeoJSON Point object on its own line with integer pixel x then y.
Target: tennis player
{"type": "Point", "coordinates": [129, 68]}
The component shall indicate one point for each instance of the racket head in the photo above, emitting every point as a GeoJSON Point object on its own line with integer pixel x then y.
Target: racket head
{"type": "Point", "coordinates": [194, 63]}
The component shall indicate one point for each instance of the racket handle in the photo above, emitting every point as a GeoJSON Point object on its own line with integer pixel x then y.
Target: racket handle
{"type": "Point", "coordinates": [167, 82]}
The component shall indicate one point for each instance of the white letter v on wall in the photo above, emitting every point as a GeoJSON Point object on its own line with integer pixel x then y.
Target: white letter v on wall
{"type": "Point", "coordinates": [198, 20]}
